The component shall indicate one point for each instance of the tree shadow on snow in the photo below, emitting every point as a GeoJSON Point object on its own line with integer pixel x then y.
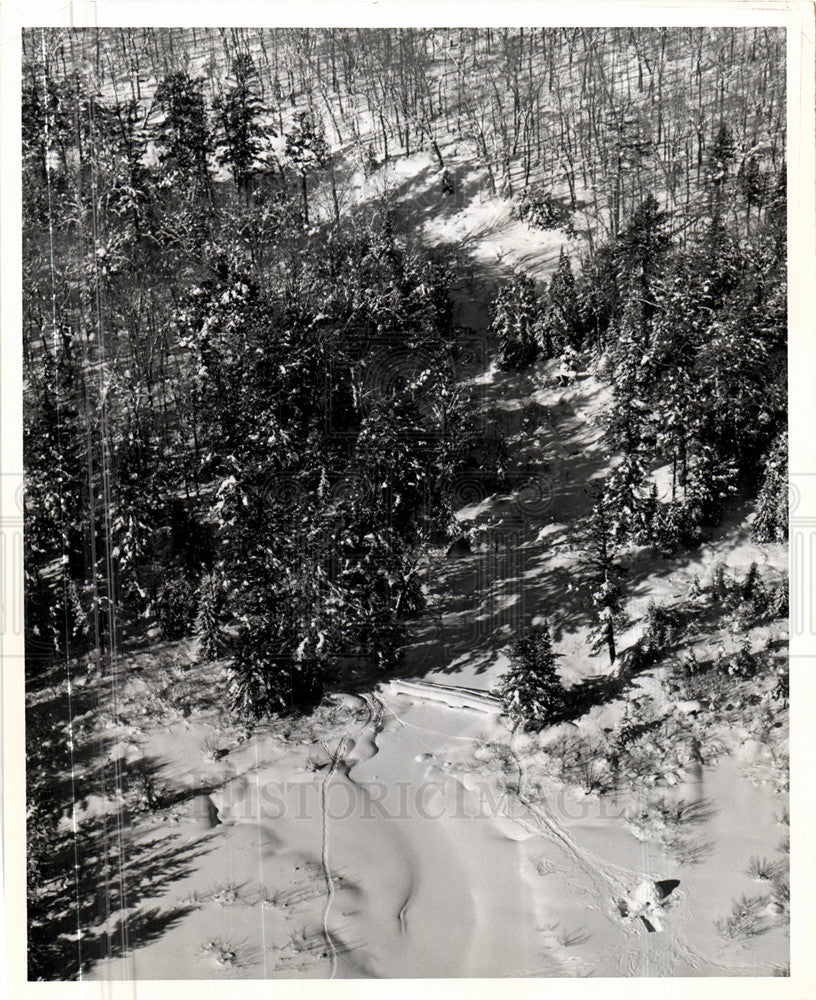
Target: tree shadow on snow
{"type": "Point", "coordinates": [85, 888]}
{"type": "Point", "coordinates": [83, 908]}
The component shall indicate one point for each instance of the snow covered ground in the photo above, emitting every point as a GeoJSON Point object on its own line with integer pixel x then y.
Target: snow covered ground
{"type": "Point", "coordinates": [404, 831]}
{"type": "Point", "coordinates": [388, 836]}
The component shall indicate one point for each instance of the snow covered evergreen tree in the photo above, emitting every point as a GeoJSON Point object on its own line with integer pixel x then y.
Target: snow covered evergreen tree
{"type": "Point", "coordinates": [272, 671]}
{"type": "Point", "coordinates": [720, 155]}
{"type": "Point", "coordinates": [531, 692]}
{"type": "Point", "coordinates": [629, 497]}
{"type": "Point", "coordinates": [182, 135]}
{"type": "Point", "coordinates": [771, 522]}
{"type": "Point", "coordinates": [211, 638]}
{"type": "Point", "coordinates": [640, 252]}
{"type": "Point", "coordinates": [561, 326]}
{"type": "Point", "coordinates": [516, 321]}
{"type": "Point", "coordinates": [56, 506]}
{"type": "Point", "coordinates": [606, 596]}
{"type": "Point", "coordinates": [307, 151]}
{"type": "Point", "coordinates": [243, 134]}
{"type": "Point", "coordinates": [175, 607]}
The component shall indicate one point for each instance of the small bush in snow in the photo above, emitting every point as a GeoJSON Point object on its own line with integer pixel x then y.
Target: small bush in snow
{"type": "Point", "coordinates": [744, 663]}
{"type": "Point", "coordinates": [763, 870]}
{"type": "Point", "coordinates": [746, 918]}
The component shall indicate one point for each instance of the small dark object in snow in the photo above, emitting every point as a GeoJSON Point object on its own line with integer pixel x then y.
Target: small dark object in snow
{"type": "Point", "coordinates": [666, 887]}
{"type": "Point", "coordinates": [460, 547]}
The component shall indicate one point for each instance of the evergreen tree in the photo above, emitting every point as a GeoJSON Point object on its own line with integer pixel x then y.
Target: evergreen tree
{"type": "Point", "coordinates": [606, 597]}
{"type": "Point", "coordinates": [709, 479]}
{"type": "Point", "coordinates": [599, 294]}
{"type": "Point", "coordinates": [175, 607]}
{"type": "Point", "coordinates": [562, 320]}
{"type": "Point", "coordinates": [640, 247]}
{"type": "Point", "coordinates": [239, 110]}
{"type": "Point", "coordinates": [721, 155]}
{"type": "Point", "coordinates": [515, 321]}
{"type": "Point", "coordinates": [675, 424]}
{"type": "Point", "coordinates": [131, 190]}
{"type": "Point", "coordinates": [136, 509]}
{"type": "Point", "coordinates": [640, 252]}
{"type": "Point", "coordinates": [307, 150]}
{"type": "Point", "coordinates": [211, 599]}
{"type": "Point", "coordinates": [48, 128]}
{"type": "Point", "coordinates": [777, 211]}
{"type": "Point", "coordinates": [752, 185]}
{"type": "Point", "coordinates": [771, 521]}
{"type": "Point", "coordinates": [740, 370]}
{"type": "Point", "coordinates": [56, 512]}
{"type": "Point", "coordinates": [628, 490]}
{"type": "Point", "coordinates": [182, 134]}
{"type": "Point", "coordinates": [531, 692]}
{"type": "Point", "coordinates": [273, 670]}
{"type": "Point", "coordinates": [707, 274]}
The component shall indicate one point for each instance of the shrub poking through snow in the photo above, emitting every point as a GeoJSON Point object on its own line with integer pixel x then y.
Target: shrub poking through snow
{"type": "Point", "coordinates": [747, 918]}
{"type": "Point", "coordinates": [144, 783]}
{"type": "Point", "coordinates": [780, 894]}
{"type": "Point", "coordinates": [212, 750]}
{"type": "Point", "coordinates": [531, 692]}
{"type": "Point", "coordinates": [226, 893]}
{"type": "Point", "coordinates": [745, 663]}
{"type": "Point", "coordinates": [631, 730]}
{"type": "Point", "coordinates": [224, 952]}
{"type": "Point", "coordinates": [763, 870]}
